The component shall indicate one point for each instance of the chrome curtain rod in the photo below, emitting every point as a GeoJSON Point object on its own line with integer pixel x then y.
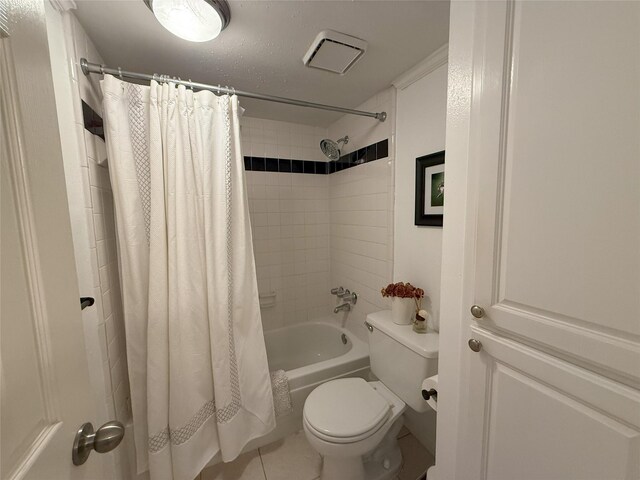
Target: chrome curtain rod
{"type": "Point", "coordinates": [89, 67]}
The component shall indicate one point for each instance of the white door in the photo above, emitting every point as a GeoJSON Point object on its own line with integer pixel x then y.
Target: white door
{"type": "Point", "coordinates": [555, 143]}
{"type": "Point", "coordinates": [45, 389]}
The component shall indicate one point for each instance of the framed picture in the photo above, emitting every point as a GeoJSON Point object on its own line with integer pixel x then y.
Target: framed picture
{"type": "Point", "coordinates": [430, 189]}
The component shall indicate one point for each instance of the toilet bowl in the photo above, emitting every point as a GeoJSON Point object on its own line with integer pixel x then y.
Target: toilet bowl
{"type": "Point", "coordinates": [354, 424]}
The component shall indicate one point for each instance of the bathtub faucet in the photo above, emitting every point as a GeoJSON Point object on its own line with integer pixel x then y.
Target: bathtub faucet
{"type": "Point", "coordinates": [350, 298]}
{"type": "Point", "coordinates": [344, 306]}
{"type": "Point", "coordinates": [338, 291]}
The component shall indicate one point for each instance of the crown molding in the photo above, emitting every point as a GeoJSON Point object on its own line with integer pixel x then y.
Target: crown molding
{"type": "Point", "coordinates": [424, 68]}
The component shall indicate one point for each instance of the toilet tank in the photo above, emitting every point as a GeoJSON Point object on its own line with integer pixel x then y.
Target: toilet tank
{"type": "Point", "coordinates": [402, 358]}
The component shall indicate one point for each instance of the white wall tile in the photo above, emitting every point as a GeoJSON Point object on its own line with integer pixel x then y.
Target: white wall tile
{"type": "Point", "coordinates": [361, 213]}
{"type": "Point", "coordinates": [98, 218]}
{"type": "Point", "coordinates": [325, 230]}
{"type": "Point", "coordinates": [90, 146]}
{"type": "Point", "coordinates": [287, 254]}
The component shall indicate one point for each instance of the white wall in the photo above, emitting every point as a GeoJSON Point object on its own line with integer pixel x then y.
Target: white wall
{"type": "Point", "coordinates": [275, 139]}
{"type": "Point", "coordinates": [361, 210]}
{"type": "Point", "coordinates": [420, 130]}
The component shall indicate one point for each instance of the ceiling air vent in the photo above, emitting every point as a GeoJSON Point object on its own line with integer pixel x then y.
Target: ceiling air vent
{"type": "Point", "coordinates": [334, 52]}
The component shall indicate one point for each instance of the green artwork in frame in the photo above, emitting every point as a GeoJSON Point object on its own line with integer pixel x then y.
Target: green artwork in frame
{"type": "Point", "coordinates": [437, 189]}
{"type": "Point", "coordinates": [430, 190]}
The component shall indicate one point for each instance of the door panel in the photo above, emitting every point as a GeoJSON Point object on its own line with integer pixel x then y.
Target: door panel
{"type": "Point", "coordinates": [26, 414]}
{"type": "Point", "coordinates": [572, 128]}
{"type": "Point", "coordinates": [44, 381]}
{"type": "Point", "coordinates": [553, 394]}
{"type": "Point", "coordinates": [558, 263]}
{"type": "Point", "coordinates": [544, 418]}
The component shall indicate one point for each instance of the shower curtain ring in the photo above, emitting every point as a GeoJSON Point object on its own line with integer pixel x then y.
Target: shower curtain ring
{"type": "Point", "coordinates": [120, 73]}
{"type": "Point", "coordinates": [191, 85]}
{"type": "Point", "coordinates": [101, 69]}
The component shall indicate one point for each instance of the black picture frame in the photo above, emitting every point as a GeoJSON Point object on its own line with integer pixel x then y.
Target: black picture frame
{"type": "Point", "coordinates": [422, 217]}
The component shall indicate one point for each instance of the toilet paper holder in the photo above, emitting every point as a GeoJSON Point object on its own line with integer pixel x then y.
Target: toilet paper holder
{"type": "Point", "coordinates": [428, 394]}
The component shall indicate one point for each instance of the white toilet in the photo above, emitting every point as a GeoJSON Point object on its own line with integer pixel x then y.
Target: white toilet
{"type": "Point", "coordinates": [353, 423]}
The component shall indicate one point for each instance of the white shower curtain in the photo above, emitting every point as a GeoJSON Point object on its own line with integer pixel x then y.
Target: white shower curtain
{"type": "Point", "coordinates": [197, 361]}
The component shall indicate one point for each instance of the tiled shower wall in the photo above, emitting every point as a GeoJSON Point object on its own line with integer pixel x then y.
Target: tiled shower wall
{"type": "Point", "coordinates": [100, 241]}
{"type": "Point", "coordinates": [290, 223]}
{"type": "Point", "coordinates": [361, 213]}
{"type": "Point", "coordinates": [312, 232]}
{"type": "Point", "coordinates": [270, 138]}
{"type": "Point", "coordinates": [93, 230]}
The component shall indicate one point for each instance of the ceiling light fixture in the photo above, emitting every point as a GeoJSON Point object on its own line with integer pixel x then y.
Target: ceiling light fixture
{"type": "Point", "coordinates": [193, 20]}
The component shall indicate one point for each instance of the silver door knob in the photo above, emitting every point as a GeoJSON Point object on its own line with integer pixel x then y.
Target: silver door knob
{"type": "Point", "coordinates": [475, 345]}
{"type": "Point", "coordinates": [104, 440]}
{"type": "Point", "coordinates": [477, 311]}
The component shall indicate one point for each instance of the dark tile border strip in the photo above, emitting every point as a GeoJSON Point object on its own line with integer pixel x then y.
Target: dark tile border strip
{"type": "Point", "coordinates": [92, 121]}
{"type": "Point", "coordinates": [284, 165]}
{"type": "Point", "coordinates": [375, 151]}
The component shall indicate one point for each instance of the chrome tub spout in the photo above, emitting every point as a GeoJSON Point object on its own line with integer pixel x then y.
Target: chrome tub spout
{"type": "Point", "coordinates": [344, 306]}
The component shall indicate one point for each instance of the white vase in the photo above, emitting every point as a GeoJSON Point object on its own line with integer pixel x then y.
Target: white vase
{"type": "Point", "coordinates": [403, 310]}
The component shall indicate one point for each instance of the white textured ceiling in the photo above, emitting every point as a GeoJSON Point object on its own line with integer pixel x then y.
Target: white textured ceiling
{"type": "Point", "coordinates": [261, 50]}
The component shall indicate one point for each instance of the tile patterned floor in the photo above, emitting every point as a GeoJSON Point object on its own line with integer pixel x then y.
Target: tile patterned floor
{"type": "Point", "coordinates": [293, 459]}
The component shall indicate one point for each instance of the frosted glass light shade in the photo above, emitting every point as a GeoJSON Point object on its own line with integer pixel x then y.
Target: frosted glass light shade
{"type": "Point", "coordinates": [193, 20]}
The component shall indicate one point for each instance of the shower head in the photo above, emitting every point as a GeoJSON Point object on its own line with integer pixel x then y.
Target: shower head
{"type": "Point", "coordinates": [331, 149]}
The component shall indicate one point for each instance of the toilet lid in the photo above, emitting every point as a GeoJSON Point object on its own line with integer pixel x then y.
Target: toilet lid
{"type": "Point", "coordinates": [347, 407]}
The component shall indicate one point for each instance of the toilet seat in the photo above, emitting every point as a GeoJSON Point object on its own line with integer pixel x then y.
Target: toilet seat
{"type": "Point", "coordinates": [345, 410]}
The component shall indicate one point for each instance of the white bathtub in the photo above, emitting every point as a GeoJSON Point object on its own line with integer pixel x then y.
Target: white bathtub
{"type": "Point", "coordinates": [311, 353]}
{"type": "Point", "coordinates": [314, 351]}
